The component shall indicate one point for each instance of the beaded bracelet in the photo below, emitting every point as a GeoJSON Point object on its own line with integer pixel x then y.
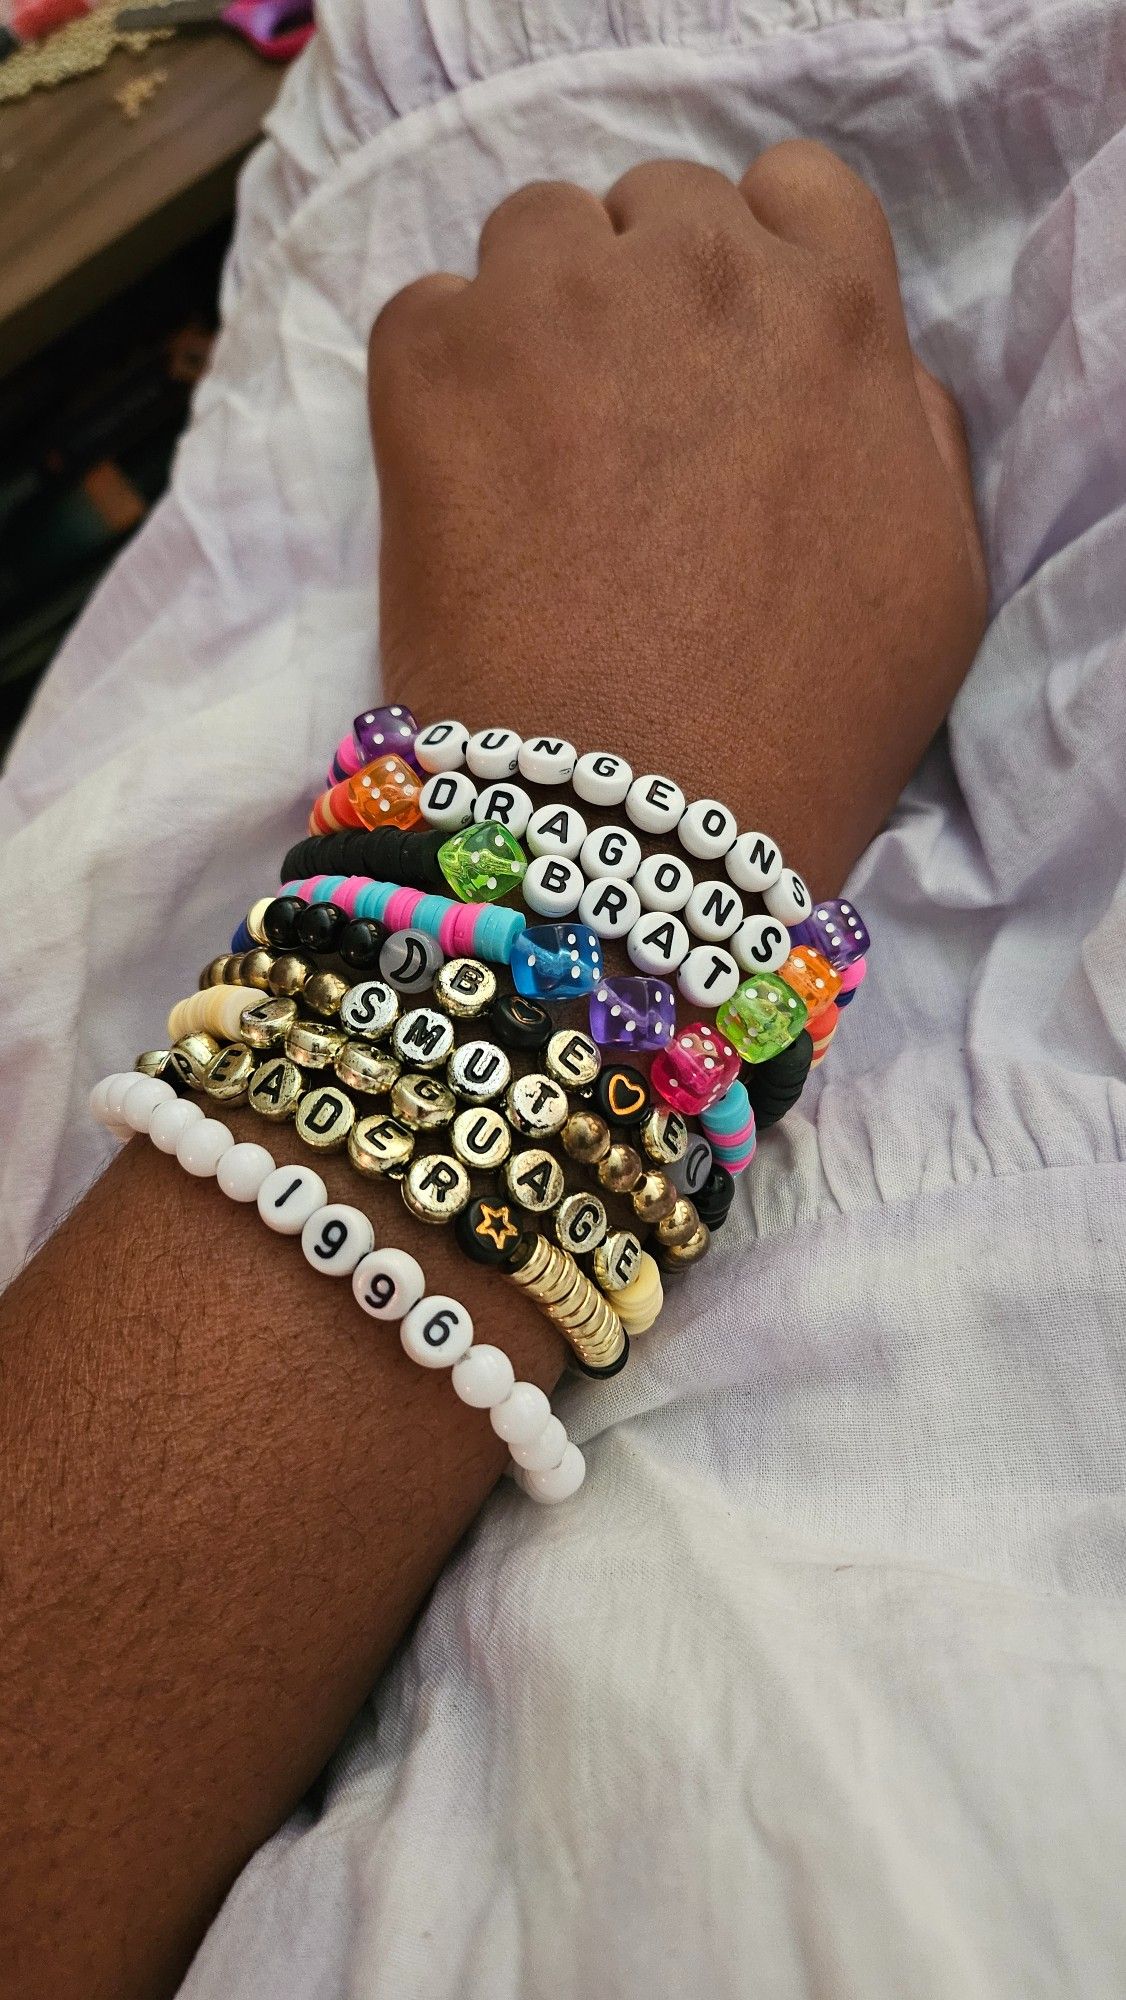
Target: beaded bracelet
{"type": "Point", "coordinates": [338, 1240]}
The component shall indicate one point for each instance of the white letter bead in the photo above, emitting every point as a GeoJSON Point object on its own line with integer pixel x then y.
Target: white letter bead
{"type": "Point", "coordinates": [200, 1147]}
{"type": "Point", "coordinates": [654, 804]}
{"type": "Point", "coordinates": [713, 910]}
{"type": "Point", "coordinates": [664, 882]}
{"type": "Point", "coordinates": [141, 1100]}
{"type": "Point", "coordinates": [522, 1415]}
{"type": "Point", "coordinates": [387, 1283]}
{"type": "Point", "coordinates": [288, 1197]}
{"type": "Point", "coordinates": [492, 753]}
{"type": "Point", "coordinates": [761, 944]}
{"type": "Point", "coordinates": [169, 1120]}
{"type": "Point", "coordinates": [336, 1237]}
{"type": "Point", "coordinates": [708, 976]}
{"type": "Point", "coordinates": [483, 1377]}
{"type": "Point", "coordinates": [551, 1487]}
{"type": "Point", "coordinates": [602, 779]}
{"type": "Point", "coordinates": [657, 943]}
{"type": "Point", "coordinates": [611, 907]}
{"type": "Point", "coordinates": [552, 885]}
{"type": "Point", "coordinates": [437, 1332]}
{"type": "Point", "coordinates": [546, 760]}
{"type": "Point", "coordinates": [556, 830]}
{"type": "Point", "coordinates": [242, 1170]}
{"type": "Point", "coordinates": [754, 862]}
{"type": "Point", "coordinates": [610, 850]}
{"type": "Point", "coordinates": [707, 829]}
{"type": "Point", "coordinates": [442, 747]}
{"type": "Point", "coordinates": [788, 898]}
{"type": "Point", "coordinates": [448, 800]}
{"type": "Point", "coordinates": [504, 805]}
{"type": "Point", "coordinates": [545, 1452]}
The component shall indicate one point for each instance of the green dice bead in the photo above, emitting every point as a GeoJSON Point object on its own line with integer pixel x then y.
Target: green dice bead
{"type": "Point", "coordinates": [762, 1017]}
{"type": "Point", "coordinates": [482, 863]}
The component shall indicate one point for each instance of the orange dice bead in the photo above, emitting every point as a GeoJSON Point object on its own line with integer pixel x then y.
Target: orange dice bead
{"type": "Point", "coordinates": [811, 977]}
{"type": "Point", "coordinates": [386, 793]}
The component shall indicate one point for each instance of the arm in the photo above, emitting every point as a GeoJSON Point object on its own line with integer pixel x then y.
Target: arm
{"type": "Point", "coordinates": [665, 477]}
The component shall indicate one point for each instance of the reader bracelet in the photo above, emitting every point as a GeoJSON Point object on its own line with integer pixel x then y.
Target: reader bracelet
{"type": "Point", "coordinates": [338, 1240]}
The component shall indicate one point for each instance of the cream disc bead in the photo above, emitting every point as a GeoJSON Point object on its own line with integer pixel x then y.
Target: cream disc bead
{"type": "Point", "coordinates": [437, 1332]}
{"type": "Point", "coordinates": [448, 800]}
{"type": "Point", "coordinates": [545, 1452]}
{"type": "Point", "coordinates": [610, 907]}
{"type": "Point", "coordinates": [388, 1282]}
{"type": "Point", "coordinates": [707, 829]}
{"type": "Point", "coordinates": [547, 760]}
{"type": "Point", "coordinates": [788, 898]}
{"type": "Point", "coordinates": [200, 1147]}
{"type": "Point", "coordinates": [549, 1488]}
{"type": "Point", "coordinates": [255, 916]}
{"type": "Point", "coordinates": [522, 1415]}
{"type": "Point", "coordinates": [754, 862]}
{"type": "Point", "coordinates": [288, 1197]}
{"type": "Point", "coordinates": [553, 885]}
{"type": "Point", "coordinates": [761, 944]}
{"type": "Point", "coordinates": [169, 1120]}
{"type": "Point", "coordinates": [610, 851]}
{"type": "Point", "coordinates": [141, 1100]}
{"type": "Point", "coordinates": [714, 911]}
{"type": "Point", "coordinates": [335, 1237]}
{"type": "Point", "coordinates": [493, 753]}
{"type": "Point", "coordinates": [664, 882]}
{"type": "Point", "coordinates": [505, 805]}
{"type": "Point", "coordinates": [658, 944]}
{"type": "Point", "coordinates": [483, 1377]}
{"type": "Point", "coordinates": [655, 804]}
{"type": "Point", "coordinates": [708, 976]}
{"type": "Point", "coordinates": [556, 830]}
{"type": "Point", "coordinates": [242, 1170]}
{"type": "Point", "coordinates": [601, 778]}
{"type": "Point", "coordinates": [442, 746]}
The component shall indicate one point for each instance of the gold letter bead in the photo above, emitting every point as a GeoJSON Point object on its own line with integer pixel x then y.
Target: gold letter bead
{"type": "Point", "coordinates": [423, 1102]}
{"type": "Point", "coordinates": [436, 1187]}
{"type": "Point", "coordinates": [227, 1076]}
{"type": "Point", "coordinates": [266, 1023]}
{"type": "Point", "coordinates": [325, 1117]}
{"type": "Point", "coordinates": [534, 1178]}
{"type": "Point", "coordinates": [276, 1088]}
{"type": "Point", "coordinates": [362, 1066]}
{"type": "Point", "coordinates": [378, 1144]}
{"type": "Point", "coordinates": [312, 1046]}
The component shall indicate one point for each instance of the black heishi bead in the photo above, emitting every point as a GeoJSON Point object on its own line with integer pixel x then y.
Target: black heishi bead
{"type": "Point", "coordinates": [479, 1226]}
{"type": "Point", "coordinates": [420, 861]}
{"type": "Point", "coordinates": [279, 922]}
{"type": "Point", "coordinates": [319, 926]}
{"type": "Point", "coordinates": [774, 1086]}
{"type": "Point", "coordinates": [381, 851]}
{"type": "Point", "coordinates": [519, 1023]}
{"type": "Point", "coordinates": [360, 944]}
{"type": "Point", "coordinates": [622, 1095]}
{"type": "Point", "coordinates": [352, 856]}
{"type": "Point", "coordinates": [293, 868]}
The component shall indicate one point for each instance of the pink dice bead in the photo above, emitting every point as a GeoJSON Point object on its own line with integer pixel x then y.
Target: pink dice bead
{"type": "Point", "coordinates": [696, 1068]}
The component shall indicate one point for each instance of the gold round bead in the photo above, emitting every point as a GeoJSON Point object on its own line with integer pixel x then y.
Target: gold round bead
{"type": "Point", "coordinates": [324, 992]}
{"type": "Point", "coordinates": [379, 1145]}
{"type": "Point", "coordinates": [619, 1169]}
{"type": "Point", "coordinates": [616, 1259]}
{"type": "Point", "coordinates": [227, 1076]}
{"type": "Point", "coordinates": [190, 1056]}
{"type": "Point", "coordinates": [276, 1089]}
{"type": "Point", "coordinates": [325, 1117]}
{"type": "Point", "coordinates": [653, 1196]}
{"type": "Point", "coordinates": [679, 1226]}
{"type": "Point", "coordinates": [290, 973]}
{"type": "Point", "coordinates": [423, 1102]}
{"type": "Point", "coordinates": [252, 968]}
{"type": "Point", "coordinates": [214, 974]}
{"type": "Point", "coordinates": [678, 1256]}
{"type": "Point", "coordinates": [362, 1066]}
{"type": "Point", "coordinates": [436, 1187]}
{"type": "Point", "coordinates": [586, 1137]}
{"type": "Point", "coordinates": [266, 1023]}
{"type": "Point", "coordinates": [312, 1046]}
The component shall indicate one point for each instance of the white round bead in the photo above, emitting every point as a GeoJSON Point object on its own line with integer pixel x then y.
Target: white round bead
{"type": "Point", "coordinates": [169, 1120]}
{"type": "Point", "coordinates": [387, 1283]}
{"type": "Point", "coordinates": [551, 1487]}
{"type": "Point", "coordinates": [483, 1377]}
{"type": "Point", "coordinates": [610, 850]}
{"type": "Point", "coordinates": [492, 753]}
{"type": "Point", "coordinates": [288, 1197]}
{"type": "Point", "coordinates": [657, 943]}
{"type": "Point", "coordinates": [714, 910]}
{"type": "Point", "coordinates": [448, 800]}
{"type": "Point", "coordinates": [689, 1174]}
{"type": "Point", "coordinates": [545, 1452]}
{"type": "Point", "coordinates": [241, 1172]}
{"type": "Point", "coordinates": [506, 805]}
{"type": "Point", "coordinates": [664, 882]}
{"type": "Point", "coordinates": [708, 976]}
{"type": "Point", "coordinates": [552, 886]}
{"type": "Point", "coordinates": [522, 1415]}
{"type": "Point", "coordinates": [117, 1090]}
{"type": "Point", "coordinates": [754, 862]}
{"type": "Point", "coordinates": [788, 898]}
{"type": "Point", "coordinates": [97, 1097]}
{"type": "Point", "coordinates": [335, 1238]}
{"type": "Point", "coordinates": [654, 804]}
{"type": "Point", "coordinates": [442, 746]}
{"type": "Point", "coordinates": [437, 1331]}
{"type": "Point", "coordinates": [761, 944]}
{"type": "Point", "coordinates": [601, 778]}
{"type": "Point", "coordinates": [546, 760]}
{"type": "Point", "coordinates": [141, 1100]}
{"type": "Point", "coordinates": [201, 1146]}
{"type": "Point", "coordinates": [556, 830]}
{"type": "Point", "coordinates": [611, 907]}
{"type": "Point", "coordinates": [707, 829]}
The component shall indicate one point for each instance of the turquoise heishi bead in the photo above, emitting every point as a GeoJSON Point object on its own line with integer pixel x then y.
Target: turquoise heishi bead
{"type": "Point", "coordinates": [762, 1017]}
{"type": "Point", "coordinates": [482, 863]}
{"type": "Point", "coordinates": [557, 962]}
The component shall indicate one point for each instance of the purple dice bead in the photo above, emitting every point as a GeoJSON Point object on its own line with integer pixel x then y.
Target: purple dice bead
{"type": "Point", "coordinates": [378, 731]}
{"type": "Point", "coordinates": [633, 1013]}
{"type": "Point", "coordinates": [837, 930]}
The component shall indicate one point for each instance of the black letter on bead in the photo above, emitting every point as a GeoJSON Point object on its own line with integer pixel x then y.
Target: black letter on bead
{"type": "Point", "coordinates": [763, 855]}
{"type": "Point", "coordinates": [610, 901]}
{"type": "Point", "coordinates": [720, 905]}
{"type": "Point", "coordinates": [556, 877]}
{"type": "Point", "coordinates": [441, 1177]}
{"type": "Point", "coordinates": [767, 944]}
{"type": "Point", "coordinates": [659, 793]}
{"type": "Point", "coordinates": [497, 805]}
{"type": "Point", "coordinates": [324, 1113]}
{"type": "Point", "coordinates": [443, 792]}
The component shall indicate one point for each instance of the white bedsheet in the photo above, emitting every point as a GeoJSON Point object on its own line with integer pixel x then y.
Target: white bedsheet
{"type": "Point", "coordinates": [819, 1689]}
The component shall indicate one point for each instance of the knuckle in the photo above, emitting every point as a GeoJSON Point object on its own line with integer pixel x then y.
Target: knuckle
{"type": "Point", "coordinates": [852, 308]}
{"type": "Point", "coordinates": [536, 201]}
{"type": "Point", "coordinates": [714, 261]}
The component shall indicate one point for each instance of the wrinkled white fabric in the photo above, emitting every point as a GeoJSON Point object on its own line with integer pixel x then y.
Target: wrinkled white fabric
{"type": "Point", "coordinates": [818, 1688]}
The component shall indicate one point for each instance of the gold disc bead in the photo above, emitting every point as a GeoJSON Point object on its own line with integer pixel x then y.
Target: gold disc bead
{"type": "Point", "coordinates": [679, 1226]}
{"type": "Point", "coordinates": [679, 1256]}
{"type": "Point", "coordinates": [227, 1076]}
{"type": "Point", "coordinates": [364, 1067]}
{"type": "Point", "coordinates": [616, 1259]}
{"type": "Point", "coordinates": [619, 1169]}
{"type": "Point", "coordinates": [253, 968]}
{"type": "Point", "coordinates": [379, 1146]}
{"type": "Point", "coordinates": [534, 1179]}
{"type": "Point", "coordinates": [190, 1056]}
{"type": "Point", "coordinates": [423, 1037]}
{"type": "Point", "coordinates": [276, 1089]}
{"type": "Point", "coordinates": [465, 987]}
{"type": "Point", "coordinates": [565, 1296]}
{"type": "Point", "coordinates": [586, 1137]}
{"type": "Point", "coordinates": [266, 1023]}
{"type": "Point", "coordinates": [324, 992]}
{"type": "Point", "coordinates": [312, 1046]}
{"type": "Point", "coordinates": [290, 974]}
{"type": "Point", "coordinates": [423, 1102]}
{"type": "Point", "coordinates": [325, 1117]}
{"type": "Point", "coordinates": [653, 1197]}
{"type": "Point", "coordinates": [436, 1187]}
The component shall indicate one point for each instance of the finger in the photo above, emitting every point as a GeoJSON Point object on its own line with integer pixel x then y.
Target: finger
{"type": "Point", "coordinates": [949, 434]}
{"type": "Point", "coordinates": [805, 195]}
{"type": "Point", "coordinates": [662, 189]}
{"type": "Point", "coordinates": [412, 311]}
{"type": "Point", "coordinates": [546, 218]}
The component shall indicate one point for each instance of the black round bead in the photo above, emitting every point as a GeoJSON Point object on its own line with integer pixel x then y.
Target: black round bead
{"type": "Point", "coordinates": [279, 921]}
{"type": "Point", "coordinates": [319, 926]}
{"type": "Point", "coordinates": [714, 1199]}
{"type": "Point", "coordinates": [621, 1094]}
{"type": "Point", "coordinates": [490, 1231]}
{"type": "Point", "coordinates": [774, 1086]}
{"type": "Point", "coordinates": [519, 1023]}
{"type": "Point", "coordinates": [360, 943]}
